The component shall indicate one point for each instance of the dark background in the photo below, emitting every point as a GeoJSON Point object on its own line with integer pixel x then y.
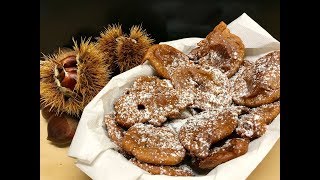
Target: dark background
{"type": "Point", "coordinates": [165, 20]}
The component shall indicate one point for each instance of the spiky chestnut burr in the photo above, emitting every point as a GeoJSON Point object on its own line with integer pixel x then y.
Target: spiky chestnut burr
{"type": "Point", "coordinates": [123, 52]}
{"type": "Point", "coordinates": [131, 50]}
{"type": "Point", "coordinates": [70, 79]}
{"type": "Point", "coordinates": [107, 43]}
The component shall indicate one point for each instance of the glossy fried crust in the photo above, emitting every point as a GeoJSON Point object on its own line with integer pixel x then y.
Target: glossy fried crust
{"type": "Point", "coordinates": [253, 124]}
{"type": "Point", "coordinates": [155, 145]}
{"type": "Point", "coordinates": [164, 59]}
{"type": "Point", "coordinates": [232, 148]}
{"type": "Point", "coordinates": [162, 170]}
{"type": "Point", "coordinates": [260, 83]}
{"type": "Point", "coordinates": [220, 49]}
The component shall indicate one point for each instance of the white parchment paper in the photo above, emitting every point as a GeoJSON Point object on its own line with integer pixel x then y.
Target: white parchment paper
{"type": "Point", "coordinates": [94, 152]}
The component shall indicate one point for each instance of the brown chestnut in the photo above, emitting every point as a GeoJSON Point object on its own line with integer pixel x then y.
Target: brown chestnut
{"type": "Point", "coordinates": [46, 113]}
{"type": "Point", "coordinates": [69, 61]}
{"type": "Point", "coordinates": [61, 129]}
{"type": "Point", "coordinates": [68, 73]}
{"type": "Point", "coordinates": [71, 69]}
{"type": "Point", "coordinates": [69, 80]}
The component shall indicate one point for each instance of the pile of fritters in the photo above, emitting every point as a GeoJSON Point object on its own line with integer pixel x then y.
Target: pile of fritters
{"type": "Point", "coordinates": [201, 110]}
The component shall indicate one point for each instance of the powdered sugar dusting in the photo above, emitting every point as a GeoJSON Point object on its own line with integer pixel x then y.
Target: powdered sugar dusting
{"type": "Point", "coordinates": [145, 142]}
{"type": "Point", "coordinates": [266, 72]}
{"type": "Point", "coordinates": [200, 84]}
{"type": "Point", "coordinates": [254, 124]}
{"type": "Point", "coordinates": [115, 132]}
{"type": "Point", "coordinates": [217, 95]}
{"type": "Point", "coordinates": [258, 82]}
{"type": "Point", "coordinates": [202, 87]}
{"type": "Point", "coordinates": [231, 149]}
{"type": "Point", "coordinates": [149, 99]}
{"type": "Point", "coordinates": [206, 128]}
{"type": "Point", "coordinates": [220, 49]}
{"type": "Point", "coordinates": [178, 60]}
{"type": "Point", "coordinates": [159, 137]}
{"type": "Point", "coordinates": [182, 170]}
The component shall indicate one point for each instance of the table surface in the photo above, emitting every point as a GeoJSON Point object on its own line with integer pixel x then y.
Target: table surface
{"type": "Point", "coordinates": [55, 164]}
